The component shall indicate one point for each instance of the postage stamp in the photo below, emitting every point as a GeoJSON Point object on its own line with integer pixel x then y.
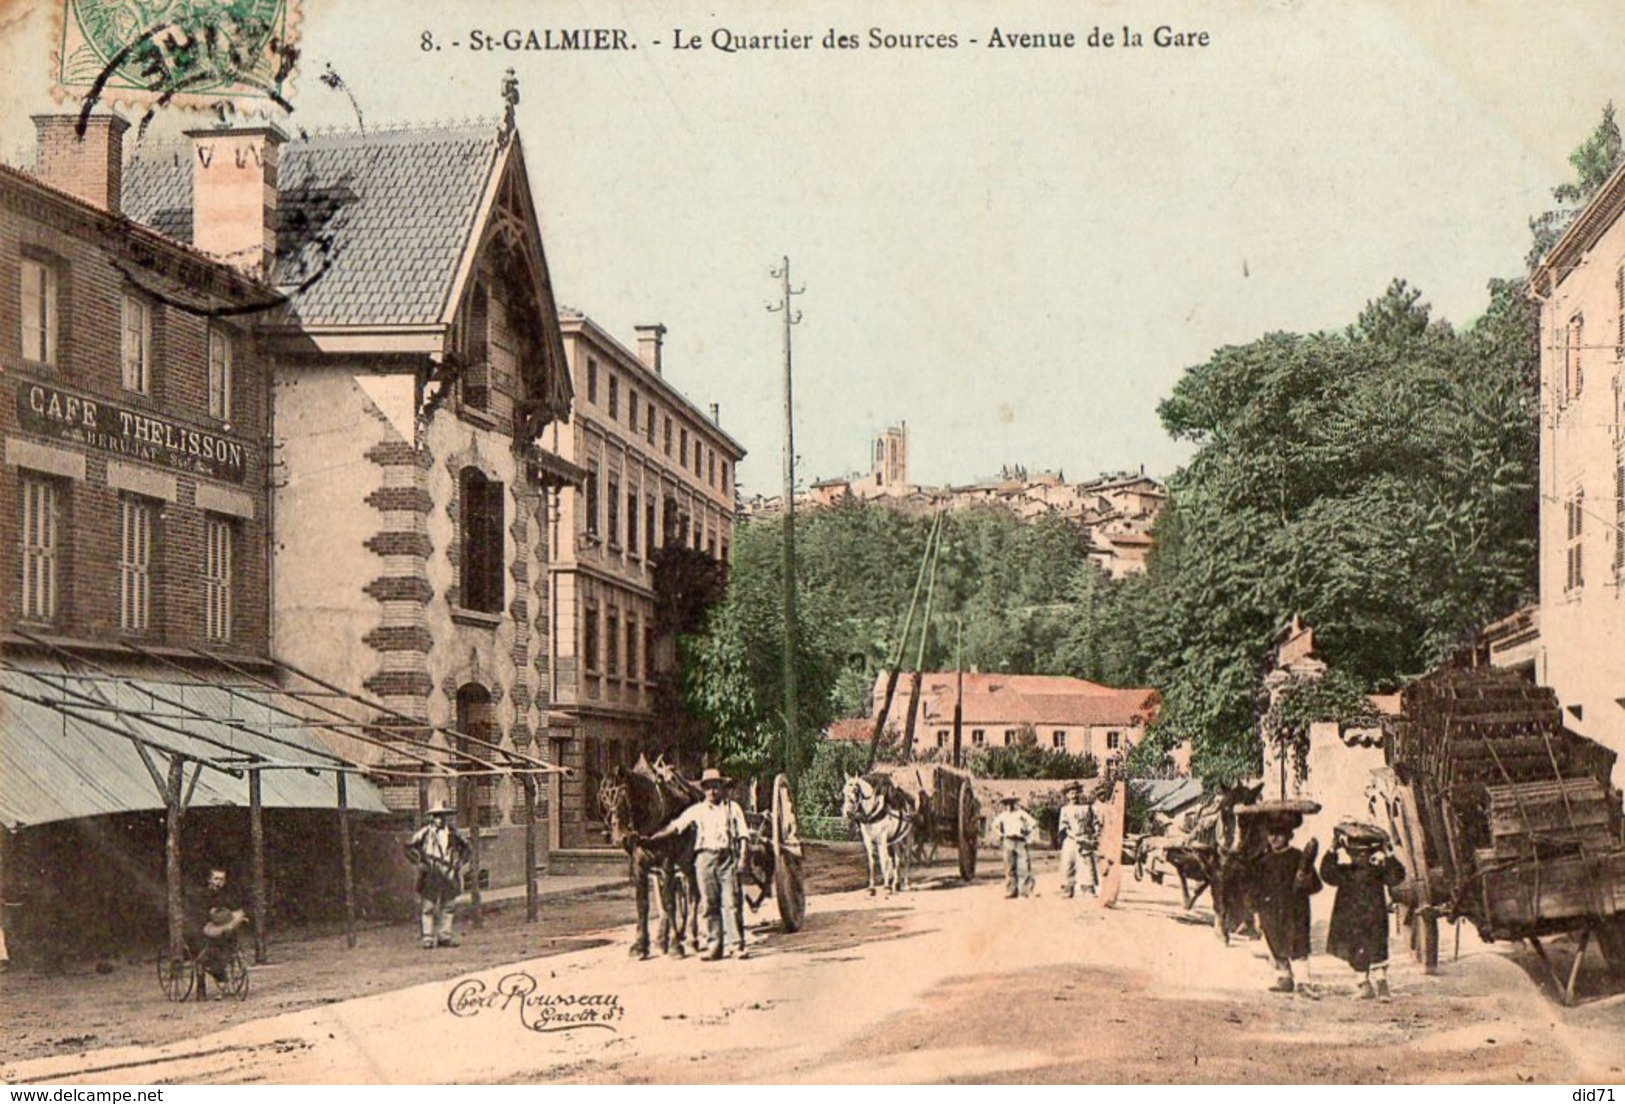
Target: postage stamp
{"type": "Point", "coordinates": [195, 54]}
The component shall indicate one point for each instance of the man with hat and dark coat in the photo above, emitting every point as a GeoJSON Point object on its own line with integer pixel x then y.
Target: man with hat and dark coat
{"type": "Point", "coordinates": [1079, 829]}
{"type": "Point", "coordinates": [1363, 869]}
{"type": "Point", "coordinates": [1283, 881]}
{"type": "Point", "coordinates": [440, 852]}
{"type": "Point", "coordinates": [720, 835]}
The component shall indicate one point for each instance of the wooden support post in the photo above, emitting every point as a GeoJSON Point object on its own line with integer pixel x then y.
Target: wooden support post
{"type": "Point", "coordinates": [5, 865]}
{"type": "Point", "coordinates": [532, 901]}
{"type": "Point", "coordinates": [256, 836]}
{"type": "Point", "coordinates": [472, 804]}
{"type": "Point", "coordinates": [346, 861]}
{"type": "Point", "coordinates": [1574, 970]}
{"type": "Point", "coordinates": [174, 897]}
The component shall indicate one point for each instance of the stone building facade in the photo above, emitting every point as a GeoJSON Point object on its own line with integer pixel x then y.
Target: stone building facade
{"type": "Point", "coordinates": [658, 471]}
{"type": "Point", "coordinates": [417, 361]}
{"type": "Point", "coordinates": [1577, 633]}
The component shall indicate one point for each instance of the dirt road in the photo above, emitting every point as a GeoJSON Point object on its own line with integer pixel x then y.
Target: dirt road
{"type": "Point", "coordinates": [948, 983]}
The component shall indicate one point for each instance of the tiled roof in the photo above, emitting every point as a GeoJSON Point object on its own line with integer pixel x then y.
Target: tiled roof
{"type": "Point", "coordinates": [377, 223]}
{"type": "Point", "coordinates": [1042, 700]}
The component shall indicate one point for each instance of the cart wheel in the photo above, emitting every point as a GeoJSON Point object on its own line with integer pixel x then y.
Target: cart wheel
{"type": "Point", "coordinates": [790, 892]}
{"type": "Point", "coordinates": [236, 984]}
{"type": "Point", "coordinates": [175, 976]}
{"type": "Point", "coordinates": [968, 831]}
{"type": "Point", "coordinates": [786, 831]}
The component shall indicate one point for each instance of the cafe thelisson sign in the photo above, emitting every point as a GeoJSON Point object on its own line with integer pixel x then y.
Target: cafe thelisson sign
{"type": "Point", "coordinates": [108, 427]}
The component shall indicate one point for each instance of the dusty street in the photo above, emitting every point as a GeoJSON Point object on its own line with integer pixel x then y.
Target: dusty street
{"type": "Point", "coordinates": [948, 983]}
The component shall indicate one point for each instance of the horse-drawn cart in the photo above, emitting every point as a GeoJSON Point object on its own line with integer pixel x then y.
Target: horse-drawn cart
{"type": "Point", "coordinates": [783, 836]}
{"type": "Point", "coordinates": [1504, 818]}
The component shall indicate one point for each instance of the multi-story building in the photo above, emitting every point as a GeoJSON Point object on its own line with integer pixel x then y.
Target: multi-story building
{"type": "Point", "coordinates": [1580, 651]}
{"type": "Point", "coordinates": [417, 360]}
{"type": "Point", "coordinates": [1061, 713]}
{"type": "Point", "coordinates": [659, 471]}
{"type": "Point", "coordinates": [135, 528]}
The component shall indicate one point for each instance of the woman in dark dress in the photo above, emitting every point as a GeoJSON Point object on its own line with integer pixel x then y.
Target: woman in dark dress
{"type": "Point", "coordinates": [1363, 869]}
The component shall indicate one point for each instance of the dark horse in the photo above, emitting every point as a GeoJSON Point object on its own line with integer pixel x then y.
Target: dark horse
{"type": "Point", "coordinates": [637, 802]}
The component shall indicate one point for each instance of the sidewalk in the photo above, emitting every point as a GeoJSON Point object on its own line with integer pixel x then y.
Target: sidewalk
{"type": "Point", "coordinates": [555, 885]}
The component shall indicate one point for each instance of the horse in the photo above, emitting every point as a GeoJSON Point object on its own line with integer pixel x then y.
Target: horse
{"type": "Point", "coordinates": [637, 802]}
{"type": "Point", "coordinates": [1206, 853]}
{"type": "Point", "coordinates": [885, 816]}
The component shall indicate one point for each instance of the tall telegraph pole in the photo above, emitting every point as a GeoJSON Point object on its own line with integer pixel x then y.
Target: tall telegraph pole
{"type": "Point", "coordinates": [791, 317]}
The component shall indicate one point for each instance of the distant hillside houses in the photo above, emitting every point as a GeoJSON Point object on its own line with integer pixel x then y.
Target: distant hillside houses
{"type": "Point", "coordinates": [1114, 511]}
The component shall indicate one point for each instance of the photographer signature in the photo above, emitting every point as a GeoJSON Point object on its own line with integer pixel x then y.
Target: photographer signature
{"type": "Point", "coordinates": [538, 1011]}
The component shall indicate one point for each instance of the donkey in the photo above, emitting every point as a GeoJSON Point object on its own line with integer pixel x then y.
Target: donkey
{"type": "Point", "coordinates": [884, 815]}
{"type": "Point", "coordinates": [638, 802]}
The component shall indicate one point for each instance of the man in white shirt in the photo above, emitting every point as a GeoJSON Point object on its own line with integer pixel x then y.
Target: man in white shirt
{"type": "Point", "coordinates": [1014, 827]}
{"type": "Point", "coordinates": [1079, 829]}
{"type": "Point", "coordinates": [720, 834]}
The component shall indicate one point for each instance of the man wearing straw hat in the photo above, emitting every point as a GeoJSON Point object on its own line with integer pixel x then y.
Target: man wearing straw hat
{"type": "Point", "coordinates": [440, 852]}
{"type": "Point", "coordinates": [720, 834]}
{"type": "Point", "coordinates": [1014, 826]}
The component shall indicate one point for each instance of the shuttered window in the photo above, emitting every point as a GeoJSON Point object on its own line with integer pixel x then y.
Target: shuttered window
{"type": "Point", "coordinates": [482, 552]}
{"type": "Point", "coordinates": [219, 538]}
{"type": "Point", "coordinates": [1575, 510]}
{"type": "Point", "coordinates": [41, 505]}
{"type": "Point", "coordinates": [135, 563]}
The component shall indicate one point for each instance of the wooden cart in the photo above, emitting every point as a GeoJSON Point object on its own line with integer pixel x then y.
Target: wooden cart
{"type": "Point", "coordinates": [955, 816]}
{"type": "Point", "coordinates": [1504, 818]}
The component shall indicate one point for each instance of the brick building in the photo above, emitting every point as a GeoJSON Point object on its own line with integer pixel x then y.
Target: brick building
{"type": "Point", "coordinates": [658, 472]}
{"type": "Point", "coordinates": [417, 360]}
{"type": "Point", "coordinates": [135, 525]}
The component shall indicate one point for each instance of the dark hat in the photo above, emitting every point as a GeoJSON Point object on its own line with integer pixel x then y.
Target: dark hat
{"type": "Point", "coordinates": [1357, 835]}
{"type": "Point", "coordinates": [1073, 786]}
{"type": "Point", "coordinates": [1010, 799]}
{"type": "Point", "coordinates": [1285, 823]}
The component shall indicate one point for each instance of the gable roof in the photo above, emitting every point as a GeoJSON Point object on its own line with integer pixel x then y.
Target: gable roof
{"type": "Point", "coordinates": [372, 229]}
{"type": "Point", "coordinates": [1039, 700]}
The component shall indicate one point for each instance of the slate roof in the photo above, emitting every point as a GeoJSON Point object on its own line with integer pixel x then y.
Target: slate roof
{"type": "Point", "coordinates": [375, 223]}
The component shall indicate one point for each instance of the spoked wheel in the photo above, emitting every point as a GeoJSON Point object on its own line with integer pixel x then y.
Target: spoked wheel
{"type": "Point", "coordinates": [236, 984]}
{"type": "Point", "coordinates": [175, 976]}
{"type": "Point", "coordinates": [789, 888]}
{"type": "Point", "coordinates": [967, 831]}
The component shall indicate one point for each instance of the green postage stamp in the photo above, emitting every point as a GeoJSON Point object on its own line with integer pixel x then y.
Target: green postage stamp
{"type": "Point", "coordinates": [182, 53]}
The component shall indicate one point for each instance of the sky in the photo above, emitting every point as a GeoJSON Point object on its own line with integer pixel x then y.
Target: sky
{"type": "Point", "coordinates": [1015, 251]}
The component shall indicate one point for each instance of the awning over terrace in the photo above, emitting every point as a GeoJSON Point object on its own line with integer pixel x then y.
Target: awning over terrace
{"type": "Point", "coordinates": [81, 744]}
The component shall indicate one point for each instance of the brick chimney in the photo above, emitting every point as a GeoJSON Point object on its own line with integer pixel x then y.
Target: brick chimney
{"type": "Point", "coordinates": [650, 337]}
{"type": "Point", "coordinates": [234, 195]}
{"type": "Point", "coordinates": [90, 167]}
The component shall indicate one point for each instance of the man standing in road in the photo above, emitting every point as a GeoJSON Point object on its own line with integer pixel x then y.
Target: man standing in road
{"type": "Point", "coordinates": [440, 852]}
{"type": "Point", "coordinates": [1284, 880]}
{"type": "Point", "coordinates": [1079, 829]}
{"type": "Point", "coordinates": [720, 835]}
{"type": "Point", "coordinates": [1014, 827]}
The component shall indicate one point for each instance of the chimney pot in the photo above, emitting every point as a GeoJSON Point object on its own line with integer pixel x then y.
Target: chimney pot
{"type": "Point", "coordinates": [234, 195]}
{"type": "Point", "coordinates": [90, 167]}
{"type": "Point", "coordinates": [651, 337]}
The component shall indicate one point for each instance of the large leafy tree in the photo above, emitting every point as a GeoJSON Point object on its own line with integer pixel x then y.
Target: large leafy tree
{"type": "Point", "coordinates": [1379, 481]}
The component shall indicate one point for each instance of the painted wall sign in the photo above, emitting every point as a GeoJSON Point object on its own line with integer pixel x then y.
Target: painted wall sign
{"type": "Point", "coordinates": [98, 424]}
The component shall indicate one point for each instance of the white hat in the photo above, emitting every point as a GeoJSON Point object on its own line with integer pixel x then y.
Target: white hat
{"type": "Point", "coordinates": [712, 776]}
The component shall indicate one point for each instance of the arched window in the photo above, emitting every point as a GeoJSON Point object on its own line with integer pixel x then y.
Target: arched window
{"type": "Point", "coordinates": [477, 795]}
{"type": "Point", "coordinates": [482, 588]}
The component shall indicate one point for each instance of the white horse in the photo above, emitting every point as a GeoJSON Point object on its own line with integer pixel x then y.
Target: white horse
{"type": "Point", "coordinates": [884, 815]}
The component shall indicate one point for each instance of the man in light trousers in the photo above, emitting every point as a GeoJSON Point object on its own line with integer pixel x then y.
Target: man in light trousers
{"type": "Point", "coordinates": [720, 834]}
